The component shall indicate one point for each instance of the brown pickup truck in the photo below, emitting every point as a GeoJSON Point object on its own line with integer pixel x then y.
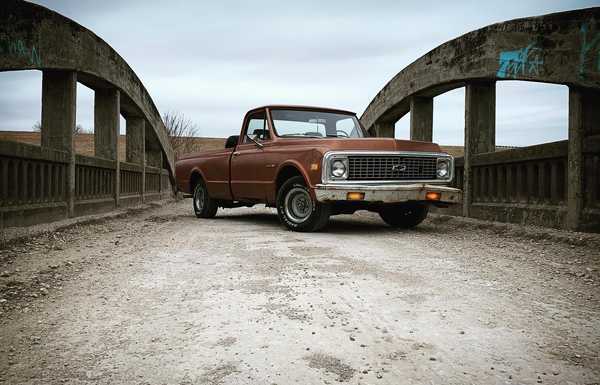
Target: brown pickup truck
{"type": "Point", "coordinates": [311, 163]}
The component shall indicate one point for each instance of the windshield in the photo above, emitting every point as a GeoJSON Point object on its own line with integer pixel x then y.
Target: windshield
{"type": "Point", "coordinates": [315, 124]}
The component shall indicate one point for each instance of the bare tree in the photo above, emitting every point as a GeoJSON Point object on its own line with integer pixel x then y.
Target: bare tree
{"type": "Point", "coordinates": [37, 127]}
{"type": "Point", "coordinates": [181, 131]}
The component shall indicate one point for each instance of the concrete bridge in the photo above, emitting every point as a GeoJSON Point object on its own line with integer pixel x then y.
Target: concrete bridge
{"type": "Point", "coordinates": [158, 296]}
{"type": "Point", "coordinates": [50, 182]}
{"type": "Point", "coordinates": [553, 184]}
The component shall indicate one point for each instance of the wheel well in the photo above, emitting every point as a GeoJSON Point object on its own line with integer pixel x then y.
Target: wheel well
{"type": "Point", "coordinates": [286, 173]}
{"type": "Point", "coordinates": [194, 180]}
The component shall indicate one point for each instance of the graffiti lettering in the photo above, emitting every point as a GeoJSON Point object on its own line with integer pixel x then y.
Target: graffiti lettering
{"type": "Point", "coordinates": [522, 62]}
{"type": "Point", "coordinates": [17, 47]}
{"type": "Point", "coordinates": [586, 47]}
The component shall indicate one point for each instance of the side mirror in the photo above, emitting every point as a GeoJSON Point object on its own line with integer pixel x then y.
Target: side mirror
{"type": "Point", "coordinates": [232, 141]}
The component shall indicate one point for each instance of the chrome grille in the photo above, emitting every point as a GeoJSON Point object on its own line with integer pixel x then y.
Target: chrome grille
{"type": "Point", "coordinates": [391, 167]}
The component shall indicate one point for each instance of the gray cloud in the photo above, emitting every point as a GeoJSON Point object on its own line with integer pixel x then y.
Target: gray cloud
{"type": "Point", "coordinates": [215, 60]}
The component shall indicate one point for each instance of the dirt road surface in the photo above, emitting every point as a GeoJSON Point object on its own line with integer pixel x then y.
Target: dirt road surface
{"type": "Point", "coordinates": [160, 297]}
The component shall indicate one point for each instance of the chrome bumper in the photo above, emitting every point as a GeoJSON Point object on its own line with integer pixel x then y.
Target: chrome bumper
{"type": "Point", "coordinates": [388, 193]}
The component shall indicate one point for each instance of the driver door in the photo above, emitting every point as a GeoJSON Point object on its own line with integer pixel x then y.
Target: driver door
{"type": "Point", "coordinates": [247, 159]}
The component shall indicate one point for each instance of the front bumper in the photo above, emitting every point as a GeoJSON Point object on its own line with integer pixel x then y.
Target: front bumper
{"type": "Point", "coordinates": [388, 193]}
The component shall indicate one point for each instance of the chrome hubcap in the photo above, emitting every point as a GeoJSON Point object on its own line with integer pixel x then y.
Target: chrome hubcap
{"type": "Point", "coordinates": [298, 205]}
{"type": "Point", "coordinates": [199, 197]}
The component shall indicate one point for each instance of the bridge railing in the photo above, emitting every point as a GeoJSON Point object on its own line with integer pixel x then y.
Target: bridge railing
{"type": "Point", "coordinates": [34, 185]}
{"type": "Point", "coordinates": [132, 176]}
{"type": "Point", "coordinates": [529, 184]}
{"type": "Point", "coordinates": [94, 178]}
{"type": "Point", "coordinates": [31, 175]}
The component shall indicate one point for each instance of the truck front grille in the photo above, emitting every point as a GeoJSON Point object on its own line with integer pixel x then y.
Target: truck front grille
{"type": "Point", "coordinates": [391, 167]}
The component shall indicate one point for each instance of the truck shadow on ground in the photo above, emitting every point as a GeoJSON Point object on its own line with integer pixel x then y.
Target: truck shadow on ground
{"type": "Point", "coordinates": [339, 224]}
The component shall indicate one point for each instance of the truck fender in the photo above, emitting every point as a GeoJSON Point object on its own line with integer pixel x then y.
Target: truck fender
{"type": "Point", "coordinates": [297, 166]}
{"type": "Point", "coordinates": [195, 170]}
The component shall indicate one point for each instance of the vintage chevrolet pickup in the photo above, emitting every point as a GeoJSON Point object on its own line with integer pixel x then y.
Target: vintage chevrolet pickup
{"type": "Point", "coordinates": [311, 163]}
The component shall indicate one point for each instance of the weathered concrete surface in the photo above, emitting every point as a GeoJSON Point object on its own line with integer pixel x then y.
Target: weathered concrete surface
{"type": "Point", "coordinates": [480, 131]}
{"type": "Point", "coordinates": [560, 48]}
{"type": "Point", "coordinates": [421, 119]}
{"type": "Point", "coordinates": [106, 123]}
{"type": "Point", "coordinates": [34, 37]}
{"type": "Point", "coordinates": [59, 109]}
{"type": "Point", "coordinates": [163, 297]}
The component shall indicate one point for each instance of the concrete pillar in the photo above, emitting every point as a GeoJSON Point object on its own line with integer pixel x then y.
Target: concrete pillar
{"type": "Point", "coordinates": [154, 158]}
{"type": "Point", "coordinates": [421, 119]}
{"type": "Point", "coordinates": [584, 120]}
{"type": "Point", "coordinates": [59, 106]}
{"type": "Point", "coordinates": [106, 130]}
{"type": "Point", "coordinates": [384, 129]}
{"type": "Point", "coordinates": [106, 123]}
{"type": "Point", "coordinates": [136, 140]}
{"type": "Point", "coordinates": [480, 130]}
{"type": "Point", "coordinates": [135, 151]}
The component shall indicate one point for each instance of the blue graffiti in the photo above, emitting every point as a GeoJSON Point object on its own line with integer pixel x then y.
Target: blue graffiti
{"type": "Point", "coordinates": [17, 47]}
{"type": "Point", "coordinates": [523, 62]}
{"type": "Point", "coordinates": [586, 47]}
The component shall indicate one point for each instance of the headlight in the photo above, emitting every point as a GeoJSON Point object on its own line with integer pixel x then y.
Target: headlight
{"type": "Point", "coordinates": [443, 168]}
{"type": "Point", "coordinates": [338, 168]}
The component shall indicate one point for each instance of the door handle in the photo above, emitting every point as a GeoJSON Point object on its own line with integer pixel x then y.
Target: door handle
{"type": "Point", "coordinates": [236, 153]}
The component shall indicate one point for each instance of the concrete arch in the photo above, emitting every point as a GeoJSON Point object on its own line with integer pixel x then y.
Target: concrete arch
{"type": "Point", "coordinates": [552, 184]}
{"type": "Point", "coordinates": [561, 48]}
{"type": "Point", "coordinates": [33, 37]}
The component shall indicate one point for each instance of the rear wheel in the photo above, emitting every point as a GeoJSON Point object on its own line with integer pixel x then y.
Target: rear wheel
{"type": "Point", "coordinates": [297, 209]}
{"type": "Point", "coordinates": [204, 205]}
{"type": "Point", "coordinates": [404, 216]}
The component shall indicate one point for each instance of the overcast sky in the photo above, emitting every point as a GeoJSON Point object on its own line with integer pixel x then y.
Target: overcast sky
{"type": "Point", "coordinates": [215, 60]}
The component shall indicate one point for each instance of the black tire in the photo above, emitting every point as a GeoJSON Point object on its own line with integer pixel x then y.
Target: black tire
{"type": "Point", "coordinates": [204, 205]}
{"type": "Point", "coordinates": [296, 208]}
{"type": "Point", "coordinates": [404, 216]}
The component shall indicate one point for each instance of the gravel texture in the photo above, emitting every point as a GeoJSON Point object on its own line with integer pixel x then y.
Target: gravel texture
{"type": "Point", "coordinates": [160, 297]}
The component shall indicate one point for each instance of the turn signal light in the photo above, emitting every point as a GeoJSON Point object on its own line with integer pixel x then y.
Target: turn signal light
{"type": "Point", "coordinates": [355, 196]}
{"type": "Point", "coordinates": [433, 196]}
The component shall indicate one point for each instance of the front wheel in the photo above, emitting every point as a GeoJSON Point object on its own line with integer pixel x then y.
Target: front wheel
{"type": "Point", "coordinates": [404, 216]}
{"type": "Point", "coordinates": [296, 208]}
{"type": "Point", "coordinates": [204, 205]}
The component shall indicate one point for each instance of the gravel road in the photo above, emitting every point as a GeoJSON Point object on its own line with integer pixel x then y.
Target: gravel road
{"type": "Point", "coordinates": [160, 297]}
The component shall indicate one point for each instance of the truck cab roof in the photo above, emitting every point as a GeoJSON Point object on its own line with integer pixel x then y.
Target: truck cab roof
{"type": "Point", "coordinates": [300, 107]}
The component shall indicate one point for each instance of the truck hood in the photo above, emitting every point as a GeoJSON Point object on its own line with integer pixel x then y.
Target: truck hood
{"type": "Point", "coordinates": [361, 144]}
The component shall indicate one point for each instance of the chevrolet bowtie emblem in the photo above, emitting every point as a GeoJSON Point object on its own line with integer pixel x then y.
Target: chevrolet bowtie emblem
{"type": "Point", "coordinates": [399, 167]}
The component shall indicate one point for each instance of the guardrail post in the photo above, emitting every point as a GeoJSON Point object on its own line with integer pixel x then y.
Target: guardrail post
{"type": "Point", "coordinates": [421, 118]}
{"type": "Point", "coordinates": [106, 130]}
{"type": "Point", "coordinates": [583, 121]}
{"type": "Point", "coordinates": [59, 106]}
{"type": "Point", "coordinates": [135, 151]}
{"type": "Point", "coordinates": [480, 131]}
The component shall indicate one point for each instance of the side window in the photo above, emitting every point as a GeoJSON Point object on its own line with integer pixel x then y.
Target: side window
{"type": "Point", "coordinates": [257, 128]}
